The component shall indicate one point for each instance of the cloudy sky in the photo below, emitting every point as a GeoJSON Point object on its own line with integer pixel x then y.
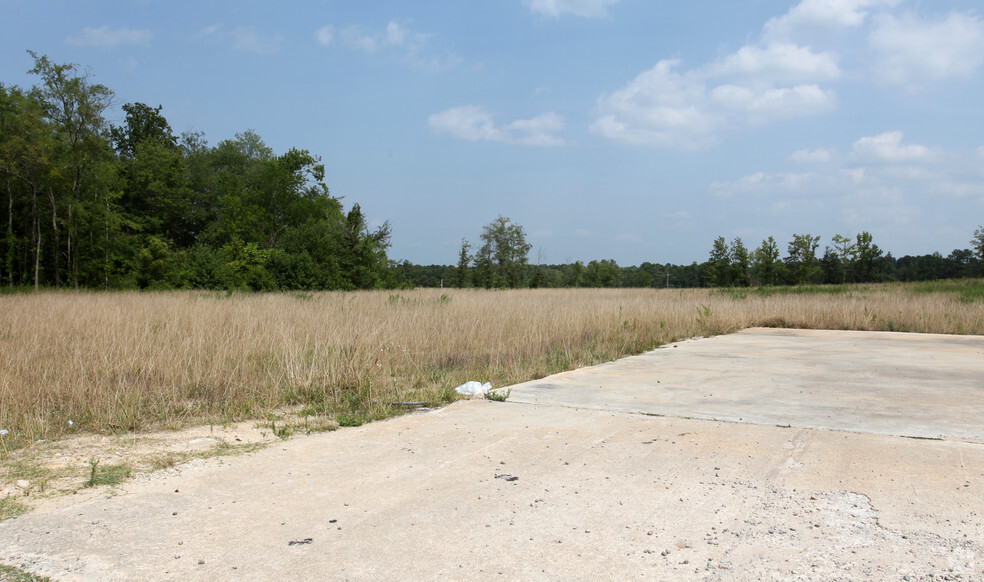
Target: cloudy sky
{"type": "Point", "coordinates": [633, 130]}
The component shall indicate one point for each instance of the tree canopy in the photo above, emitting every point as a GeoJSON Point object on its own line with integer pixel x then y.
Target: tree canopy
{"type": "Point", "coordinates": [134, 206]}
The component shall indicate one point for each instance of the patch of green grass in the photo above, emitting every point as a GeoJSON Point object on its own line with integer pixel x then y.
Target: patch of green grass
{"type": "Point", "coordinates": [11, 508]}
{"type": "Point", "coordinates": [11, 574]}
{"type": "Point", "coordinates": [769, 291]}
{"type": "Point", "coordinates": [107, 475]}
{"type": "Point", "coordinates": [354, 418]}
{"type": "Point", "coordinates": [966, 290]}
{"type": "Point", "coordinates": [498, 395]}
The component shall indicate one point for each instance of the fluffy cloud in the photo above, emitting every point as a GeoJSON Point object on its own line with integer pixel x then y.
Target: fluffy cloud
{"type": "Point", "coordinates": [777, 63]}
{"type": "Point", "coordinates": [913, 51]}
{"type": "Point", "coordinates": [105, 36]}
{"type": "Point", "coordinates": [586, 8]}
{"type": "Point", "coordinates": [887, 147]}
{"type": "Point", "coordinates": [474, 123]}
{"type": "Point", "coordinates": [878, 181]}
{"type": "Point", "coordinates": [686, 110]}
{"type": "Point", "coordinates": [813, 17]}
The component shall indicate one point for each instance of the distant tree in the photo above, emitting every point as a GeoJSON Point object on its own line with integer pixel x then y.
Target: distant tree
{"type": "Point", "coordinates": [845, 252]}
{"type": "Point", "coordinates": [504, 255]}
{"type": "Point", "coordinates": [740, 262]}
{"type": "Point", "coordinates": [802, 259]}
{"type": "Point", "coordinates": [603, 273]}
{"type": "Point", "coordinates": [717, 270]}
{"type": "Point", "coordinates": [460, 275]}
{"type": "Point", "coordinates": [977, 244]}
{"type": "Point", "coordinates": [766, 266]}
{"type": "Point", "coordinates": [867, 256]}
{"type": "Point", "coordinates": [575, 274]}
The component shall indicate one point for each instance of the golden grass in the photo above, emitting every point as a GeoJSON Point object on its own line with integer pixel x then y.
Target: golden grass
{"type": "Point", "coordinates": [128, 361]}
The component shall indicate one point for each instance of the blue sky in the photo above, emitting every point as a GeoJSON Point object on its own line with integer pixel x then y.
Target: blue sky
{"type": "Point", "coordinates": [633, 130]}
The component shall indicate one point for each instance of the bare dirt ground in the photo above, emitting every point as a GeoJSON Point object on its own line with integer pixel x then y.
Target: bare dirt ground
{"type": "Point", "coordinates": [568, 490]}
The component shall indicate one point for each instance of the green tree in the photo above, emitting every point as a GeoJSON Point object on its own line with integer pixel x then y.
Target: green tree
{"type": "Point", "coordinates": [740, 263]}
{"type": "Point", "coordinates": [977, 244]}
{"type": "Point", "coordinates": [846, 253]}
{"type": "Point", "coordinates": [363, 253]}
{"type": "Point", "coordinates": [766, 266]}
{"type": "Point", "coordinates": [461, 278]}
{"type": "Point", "coordinates": [75, 105]}
{"type": "Point", "coordinates": [867, 256]}
{"type": "Point", "coordinates": [504, 255]}
{"type": "Point", "coordinates": [717, 270]}
{"type": "Point", "coordinates": [802, 259]}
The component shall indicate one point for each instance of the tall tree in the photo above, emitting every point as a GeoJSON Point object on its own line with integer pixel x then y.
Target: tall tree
{"type": "Point", "coordinates": [766, 266]}
{"type": "Point", "coordinates": [75, 107]}
{"type": "Point", "coordinates": [740, 262]}
{"type": "Point", "coordinates": [504, 255]}
{"type": "Point", "coordinates": [461, 275]}
{"type": "Point", "coordinates": [867, 256]}
{"type": "Point", "coordinates": [977, 244]}
{"type": "Point", "coordinates": [802, 259]}
{"type": "Point", "coordinates": [846, 253]}
{"type": "Point", "coordinates": [717, 270]}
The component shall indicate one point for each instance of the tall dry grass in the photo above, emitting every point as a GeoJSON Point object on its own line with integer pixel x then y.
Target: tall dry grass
{"type": "Point", "coordinates": [125, 361]}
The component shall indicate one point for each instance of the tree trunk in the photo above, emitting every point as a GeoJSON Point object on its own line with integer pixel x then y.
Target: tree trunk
{"type": "Point", "coordinates": [54, 229]}
{"type": "Point", "coordinates": [35, 233]}
{"type": "Point", "coordinates": [10, 232]}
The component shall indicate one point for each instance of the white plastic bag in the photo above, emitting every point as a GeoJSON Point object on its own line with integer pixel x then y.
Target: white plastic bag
{"type": "Point", "coordinates": [472, 388]}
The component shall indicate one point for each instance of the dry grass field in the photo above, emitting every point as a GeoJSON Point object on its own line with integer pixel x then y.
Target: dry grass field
{"type": "Point", "coordinates": [119, 362]}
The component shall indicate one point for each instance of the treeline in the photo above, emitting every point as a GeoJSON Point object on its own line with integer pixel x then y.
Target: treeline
{"type": "Point", "coordinates": [90, 205]}
{"type": "Point", "coordinates": [732, 264]}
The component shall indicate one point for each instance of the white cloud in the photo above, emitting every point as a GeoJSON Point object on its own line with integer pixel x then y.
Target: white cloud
{"type": "Point", "coordinates": [247, 39]}
{"type": "Point", "coordinates": [813, 17]}
{"type": "Point", "coordinates": [887, 147]}
{"type": "Point", "coordinates": [817, 156]}
{"type": "Point", "coordinates": [209, 30]}
{"type": "Point", "coordinates": [913, 51]}
{"type": "Point", "coordinates": [777, 63]}
{"type": "Point", "coordinates": [556, 8]}
{"type": "Point", "coordinates": [105, 36]}
{"type": "Point", "coordinates": [396, 39]}
{"type": "Point", "coordinates": [325, 35]}
{"type": "Point", "coordinates": [879, 183]}
{"type": "Point", "coordinates": [395, 35]}
{"type": "Point", "coordinates": [474, 123]}
{"type": "Point", "coordinates": [244, 38]}
{"type": "Point", "coordinates": [664, 107]}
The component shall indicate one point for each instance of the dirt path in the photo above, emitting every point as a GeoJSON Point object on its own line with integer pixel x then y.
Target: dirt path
{"type": "Point", "coordinates": [534, 491]}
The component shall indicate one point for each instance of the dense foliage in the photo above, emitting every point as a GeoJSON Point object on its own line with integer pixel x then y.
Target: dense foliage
{"type": "Point", "coordinates": [95, 206]}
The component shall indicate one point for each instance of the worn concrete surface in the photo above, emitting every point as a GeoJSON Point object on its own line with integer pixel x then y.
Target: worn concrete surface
{"type": "Point", "coordinates": [564, 490]}
{"type": "Point", "coordinates": [919, 385]}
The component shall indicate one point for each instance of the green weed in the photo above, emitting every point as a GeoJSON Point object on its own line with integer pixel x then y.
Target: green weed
{"type": "Point", "coordinates": [11, 574]}
{"type": "Point", "coordinates": [109, 475]}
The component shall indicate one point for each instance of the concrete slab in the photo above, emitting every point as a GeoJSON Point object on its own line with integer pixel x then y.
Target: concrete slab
{"type": "Point", "coordinates": [918, 385]}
